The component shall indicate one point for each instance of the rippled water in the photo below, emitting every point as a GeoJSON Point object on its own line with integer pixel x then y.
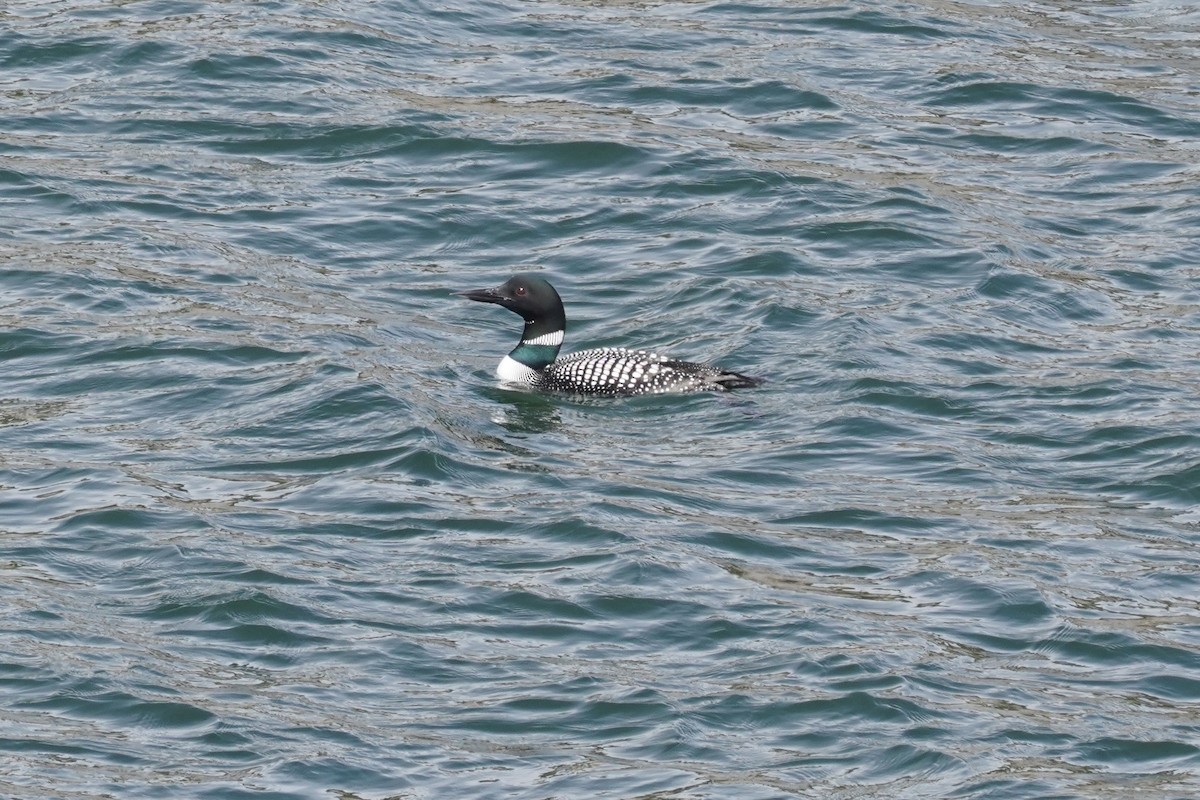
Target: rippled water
{"type": "Point", "coordinates": [270, 529]}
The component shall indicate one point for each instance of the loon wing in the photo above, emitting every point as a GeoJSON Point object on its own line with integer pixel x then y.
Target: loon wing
{"type": "Point", "coordinates": [617, 371]}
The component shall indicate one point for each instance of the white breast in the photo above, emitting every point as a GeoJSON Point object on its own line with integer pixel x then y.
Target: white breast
{"type": "Point", "coordinates": [513, 371]}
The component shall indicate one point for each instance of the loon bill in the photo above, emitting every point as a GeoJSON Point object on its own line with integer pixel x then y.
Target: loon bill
{"type": "Point", "coordinates": [606, 371]}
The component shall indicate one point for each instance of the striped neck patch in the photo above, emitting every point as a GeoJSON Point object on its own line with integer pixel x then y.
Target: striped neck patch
{"type": "Point", "coordinates": [552, 339]}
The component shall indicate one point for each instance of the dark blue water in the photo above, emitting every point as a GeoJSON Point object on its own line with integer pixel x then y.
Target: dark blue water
{"type": "Point", "coordinates": [270, 529]}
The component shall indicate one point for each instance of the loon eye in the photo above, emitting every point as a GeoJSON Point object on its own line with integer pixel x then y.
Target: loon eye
{"type": "Point", "coordinates": [520, 291]}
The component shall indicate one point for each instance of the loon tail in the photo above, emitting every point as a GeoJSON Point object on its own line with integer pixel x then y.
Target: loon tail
{"type": "Point", "coordinates": [721, 380]}
{"type": "Point", "coordinates": [735, 380]}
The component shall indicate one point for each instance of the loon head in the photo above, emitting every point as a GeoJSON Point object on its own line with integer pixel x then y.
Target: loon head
{"type": "Point", "coordinates": [530, 296]}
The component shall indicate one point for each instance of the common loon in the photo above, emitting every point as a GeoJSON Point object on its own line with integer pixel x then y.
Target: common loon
{"type": "Point", "coordinates": [605, 371]}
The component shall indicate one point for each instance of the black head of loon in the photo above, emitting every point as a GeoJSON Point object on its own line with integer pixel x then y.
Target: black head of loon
{"type": "Point", "coordinates": [533, 298]}
{"type": "Point", "coordinates": [534, 362]}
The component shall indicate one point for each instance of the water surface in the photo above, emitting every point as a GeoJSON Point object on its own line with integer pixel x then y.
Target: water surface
{"type": "Point", "coordinates": [270, 529]}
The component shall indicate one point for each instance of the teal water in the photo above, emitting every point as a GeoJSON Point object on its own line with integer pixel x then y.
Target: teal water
{"type": "Point", "coordinates": [269, 529]}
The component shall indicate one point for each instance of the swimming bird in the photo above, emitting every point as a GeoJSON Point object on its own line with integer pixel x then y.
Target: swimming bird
{"type": "Point", "coordinates": [604, 371]}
